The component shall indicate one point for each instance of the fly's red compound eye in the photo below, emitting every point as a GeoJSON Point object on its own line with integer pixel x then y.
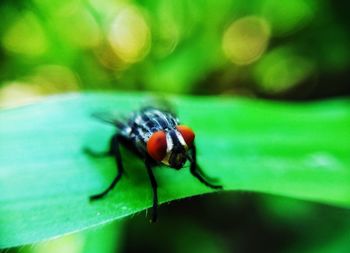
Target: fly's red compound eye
{"type": "Point", "coordinates": [157, 145]}
{"type": "Point", "coordinates": [187, 134]}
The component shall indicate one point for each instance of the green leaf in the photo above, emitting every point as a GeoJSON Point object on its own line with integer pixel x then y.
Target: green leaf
{"type": "Point", "coordinates": [296, 150]}
{"type": "Point", "coordinates": [104, 239]}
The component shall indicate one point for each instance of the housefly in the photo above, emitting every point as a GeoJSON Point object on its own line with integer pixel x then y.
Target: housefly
{"type": "Point", "coordinates": [157, 137]}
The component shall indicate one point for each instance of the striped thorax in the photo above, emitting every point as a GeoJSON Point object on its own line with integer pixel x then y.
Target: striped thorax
{"type": "Point", "coordinates": [158, 134]}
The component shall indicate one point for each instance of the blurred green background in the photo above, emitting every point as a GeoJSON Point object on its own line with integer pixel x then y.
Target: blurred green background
{"type": "Point", "coordinates": [277, 49]}
{"type": "Point", "coordinates": [295, 50]}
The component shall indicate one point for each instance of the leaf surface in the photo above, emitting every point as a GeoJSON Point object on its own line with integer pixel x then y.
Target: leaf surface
{"type": "Point", "coordinates": [296, 150]}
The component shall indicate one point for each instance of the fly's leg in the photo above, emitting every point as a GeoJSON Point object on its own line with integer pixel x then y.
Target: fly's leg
{"type": "Point", "coordinates": [110, 152]}
{"type": "Point", "coordinates": [95, 154]}
{"type": "Point", "coordinates": [155, 193]}
{"type": "Point", "coordinates": [196, 172]}
{"type": "Point", "coordinates": [115, 150]}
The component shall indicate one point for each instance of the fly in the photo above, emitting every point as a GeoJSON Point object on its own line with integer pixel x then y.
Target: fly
{"type": "Point", "coordinates": [157, 137]}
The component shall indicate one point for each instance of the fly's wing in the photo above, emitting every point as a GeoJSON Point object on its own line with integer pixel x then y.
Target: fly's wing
{"type": "Point", "coordinates": [111, 118]}
{"type": "Point", "coordinates": [160, 103]}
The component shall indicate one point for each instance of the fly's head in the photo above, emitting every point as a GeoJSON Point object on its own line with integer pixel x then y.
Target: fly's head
{"type": "Point", "coordinates": [170, 147]}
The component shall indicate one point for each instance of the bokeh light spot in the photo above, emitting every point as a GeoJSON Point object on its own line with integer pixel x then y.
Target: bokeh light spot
{"type": "Point", "coordinates": [129, 35]}
{"type": "Point", "coordinates": [45, 80]}
{"type": "Point", "coordinates": [286, 17]}
{"type": "Point", "coordinates": [246, 39]}
{"type": "Point", "coordinates": [50, 79]}
{"type": "Point", "coordinates": [77, 25]}
{"type": "Point", "coordinates": [281, 70]}
{"type": "Point", "coordinates": [18, 93]}
{"type": "Point", "coordinates": [26, 36]}
{"type": "Point", "coordinates": [66, 244]}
